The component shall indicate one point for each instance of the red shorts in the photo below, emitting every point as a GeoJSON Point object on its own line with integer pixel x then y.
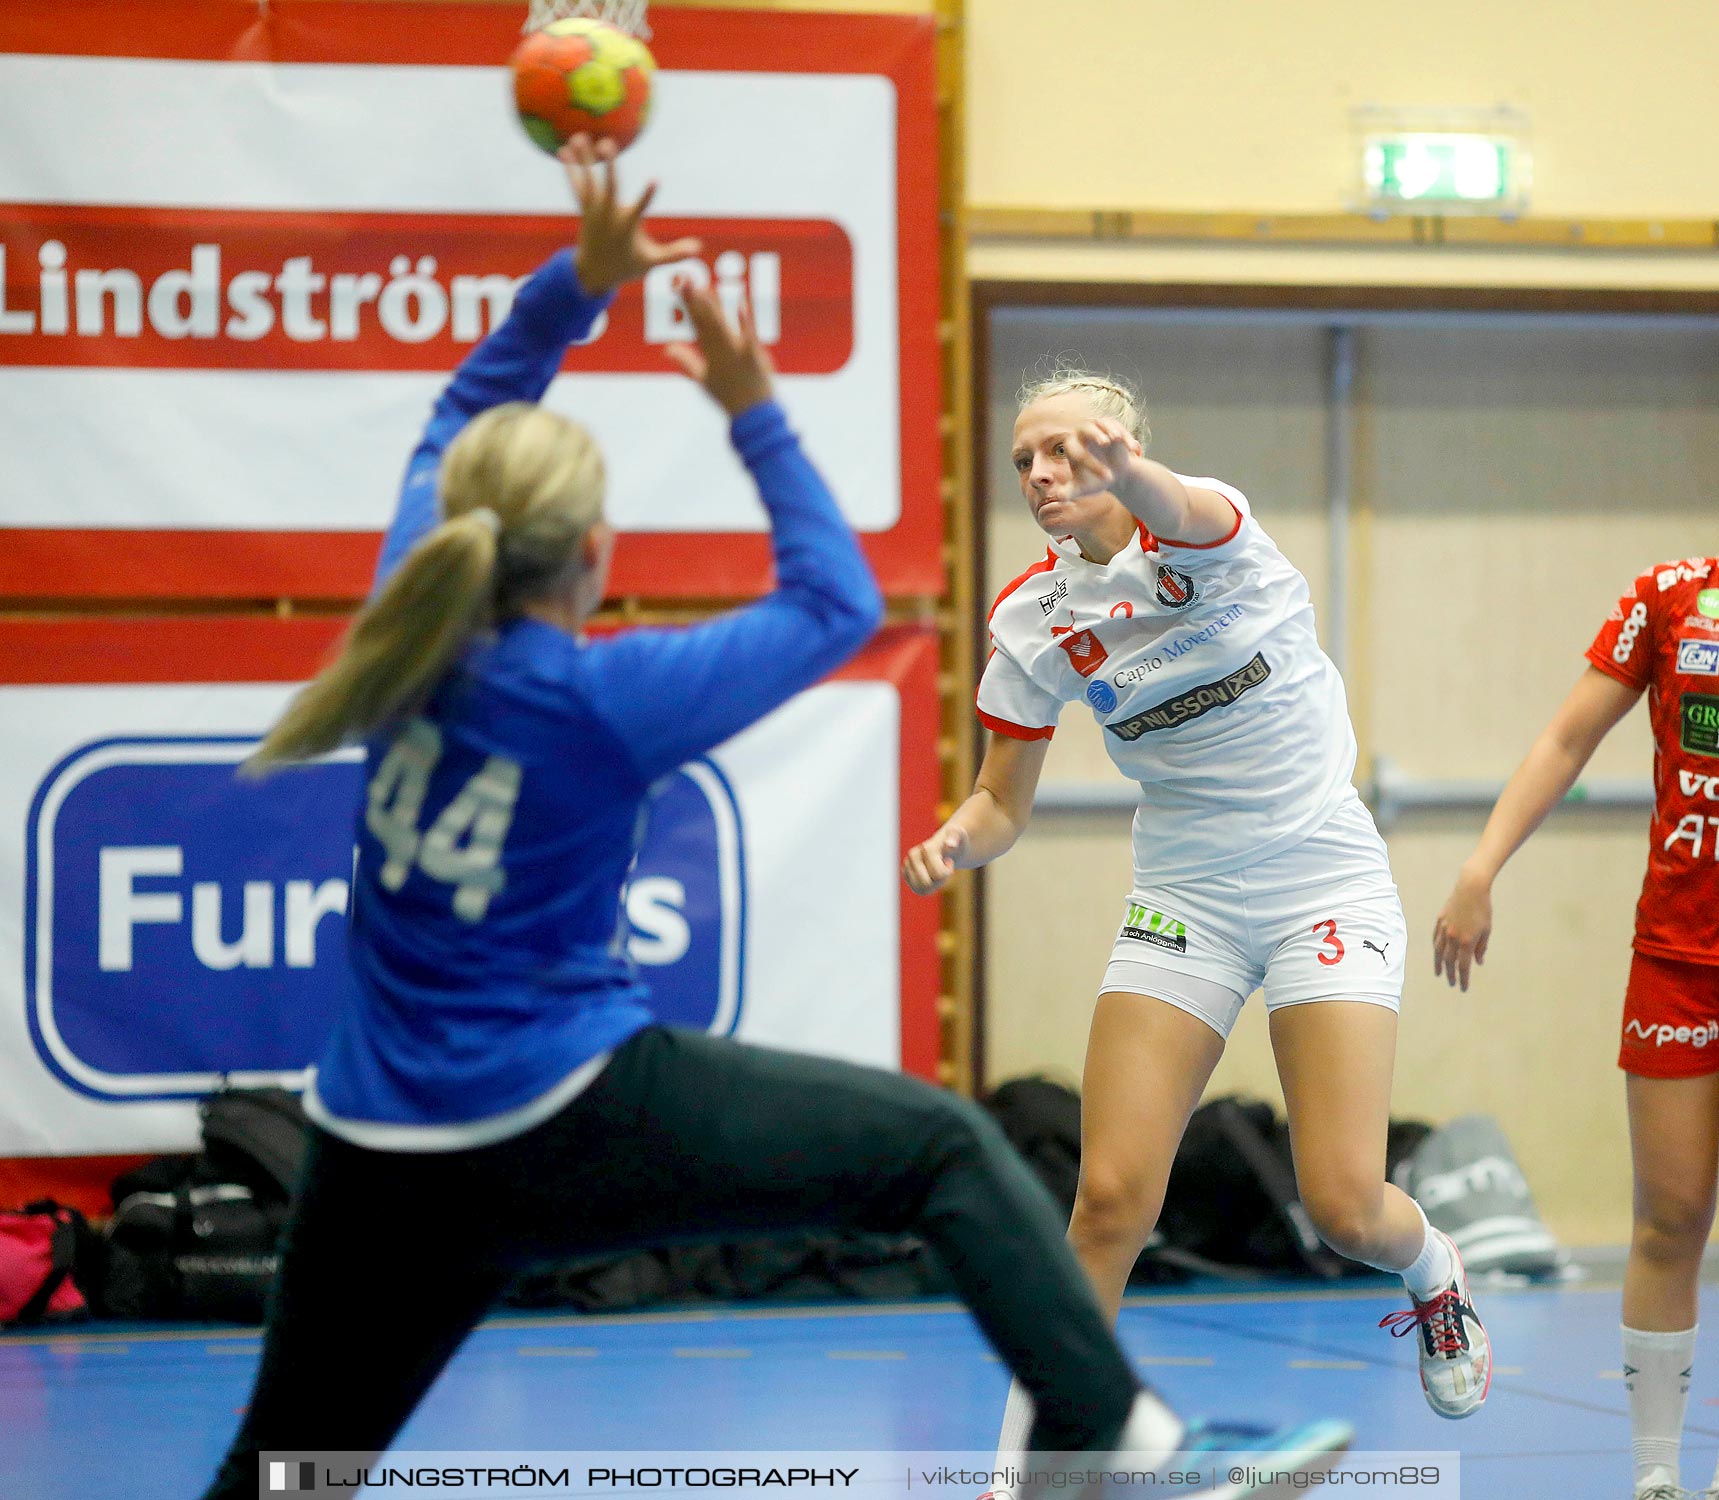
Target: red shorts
{"type": "Point", "coordinates": [1670, 1019]}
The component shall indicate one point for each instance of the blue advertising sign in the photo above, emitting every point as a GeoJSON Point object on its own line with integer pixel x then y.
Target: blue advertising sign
{"type": "Point", "coordinates": [183, 925]}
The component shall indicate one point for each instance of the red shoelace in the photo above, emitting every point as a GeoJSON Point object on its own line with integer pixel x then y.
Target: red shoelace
{"type": "Point", "coordinates": [1440, 1314]}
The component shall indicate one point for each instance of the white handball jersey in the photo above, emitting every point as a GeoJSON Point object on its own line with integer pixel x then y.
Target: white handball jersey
{"type": "Point", "coordinates": [1202, 667]}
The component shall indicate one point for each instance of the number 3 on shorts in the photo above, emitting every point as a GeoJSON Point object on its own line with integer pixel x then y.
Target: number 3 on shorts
{"type": "Point", "coordinates": [480, 815]}
{"type": "Point", "coordinates": [1331, 941]}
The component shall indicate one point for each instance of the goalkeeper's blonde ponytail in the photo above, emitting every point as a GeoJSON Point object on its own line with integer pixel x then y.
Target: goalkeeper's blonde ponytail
{"type": "Point", "coordinates": [520, 487]}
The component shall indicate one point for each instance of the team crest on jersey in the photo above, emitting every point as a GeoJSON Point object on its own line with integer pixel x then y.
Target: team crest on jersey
{"type": "Point", "coordinates": [1176, 588]}
{"type": "Point", "coordinates": [1085, 651]}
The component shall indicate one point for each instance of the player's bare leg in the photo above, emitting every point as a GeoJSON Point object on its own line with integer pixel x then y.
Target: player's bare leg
{"type": "Point", "coordinates": [1147, 1063]}
{"type": "Point", "coordinates": [1335, 1059]}
{"type": "Point", "coordinates": [1674, 1145]}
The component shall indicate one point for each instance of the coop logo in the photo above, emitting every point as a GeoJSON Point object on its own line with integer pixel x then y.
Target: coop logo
{"type": "Point", "coordinates": [246, 289]}
{"type": "Point", "coordinates": [182, 925]}
{"type": "Point", "coordinates": [1697, 658]}
{"type": "Point", "coordinates": [1632, 627]}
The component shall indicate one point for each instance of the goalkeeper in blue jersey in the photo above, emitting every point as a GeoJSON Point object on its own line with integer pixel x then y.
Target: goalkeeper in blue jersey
{"type": "Point", "coordinates": [499, 1094]}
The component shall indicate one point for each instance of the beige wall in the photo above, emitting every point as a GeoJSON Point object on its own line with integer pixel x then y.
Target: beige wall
{"type": "Point", "coordinates": [1520, 480]}
{"type": "Point", "coordinates": [1244, 105]}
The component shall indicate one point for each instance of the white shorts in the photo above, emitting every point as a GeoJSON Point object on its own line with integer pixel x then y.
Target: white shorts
{"type": "Point", "coordinates": [1320, 921]}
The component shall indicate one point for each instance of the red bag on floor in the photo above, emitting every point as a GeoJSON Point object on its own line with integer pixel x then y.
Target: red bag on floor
{"type": "Point", "coordinates": [38, 1245]}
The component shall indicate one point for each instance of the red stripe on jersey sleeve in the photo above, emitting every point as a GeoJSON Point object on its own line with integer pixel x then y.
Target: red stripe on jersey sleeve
{"type": "Point", "coordinates": [1009, 588]}
{"type": "Point", "coordinates": [1014, 731]}
{"type": "Point", "coordinates": [1230, 536]}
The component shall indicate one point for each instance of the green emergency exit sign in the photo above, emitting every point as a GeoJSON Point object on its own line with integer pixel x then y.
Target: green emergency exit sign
{"type": "Point", "coordinates": [1440, 169]}
{"type": "Point", "coordinates": [1443, 160]}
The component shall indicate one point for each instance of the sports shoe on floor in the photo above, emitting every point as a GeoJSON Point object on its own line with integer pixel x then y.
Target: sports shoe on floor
{"type": "Point", "coordinates": [1456, 1355]}
{"type": "Point", "coordinates": [1236, 1460]}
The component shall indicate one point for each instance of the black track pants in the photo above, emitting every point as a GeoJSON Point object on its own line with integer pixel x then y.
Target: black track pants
{"type": "Point", "coordinates": [392, 1257]}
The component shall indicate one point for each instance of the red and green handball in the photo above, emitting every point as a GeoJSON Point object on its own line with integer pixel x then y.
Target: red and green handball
{"type": "Point", "coordinates": [582, 77]}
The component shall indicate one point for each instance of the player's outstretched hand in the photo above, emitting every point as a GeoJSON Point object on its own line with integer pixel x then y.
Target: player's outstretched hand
{"type": "Point", "coordinates": [728, 360]}
{"type": "Point", "coordinates": [614, 245]}
{"type": "Point", "coordinates": [1098, 452]}
{"type": "Point", "coordinates": [1463, 929]}
{"type": "Point", "coordinates": [928, 866]}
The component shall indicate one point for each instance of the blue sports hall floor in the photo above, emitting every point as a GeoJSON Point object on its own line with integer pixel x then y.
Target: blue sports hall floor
{"type": "Point", "coordinates": [143, 1413]}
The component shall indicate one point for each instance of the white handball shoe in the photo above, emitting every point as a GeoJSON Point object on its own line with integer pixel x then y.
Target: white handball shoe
{"type": "Point", "coordinates": [1456, 1354]}
{"type": "Point", "coordinates": [1234, 1460]}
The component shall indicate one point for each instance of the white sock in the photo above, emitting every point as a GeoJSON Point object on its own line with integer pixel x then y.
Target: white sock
{"type": "Point", "coordinates": [1152, 1431]}
{"type": "Point", "coordinates": [1430, 1272]}
{"type": "Point", "coordinates": [1656, 1374]}
{"type": "Point", "coordinates": [1017, 1427]}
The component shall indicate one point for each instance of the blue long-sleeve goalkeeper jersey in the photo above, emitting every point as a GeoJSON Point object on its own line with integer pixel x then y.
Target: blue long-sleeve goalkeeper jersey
{"type": "Point", "coordinates": [499, 824]}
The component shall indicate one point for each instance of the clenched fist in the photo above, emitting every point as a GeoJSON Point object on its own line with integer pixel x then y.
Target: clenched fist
{"type": "Point", "coordinates": [928, 866]}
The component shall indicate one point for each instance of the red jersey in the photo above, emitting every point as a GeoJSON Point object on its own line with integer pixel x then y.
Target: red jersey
{"type": "Point", "coordinates": [1664, 636]}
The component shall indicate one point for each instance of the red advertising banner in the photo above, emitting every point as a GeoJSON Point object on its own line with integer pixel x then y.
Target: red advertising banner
{"type": "Point", "coordinates": [182, 289]}
{"type": "Point", "coordinates": [221, 326]}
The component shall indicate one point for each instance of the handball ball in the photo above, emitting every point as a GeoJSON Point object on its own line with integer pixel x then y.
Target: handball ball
{"type": "Point", "coordinates": [582, 77]}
